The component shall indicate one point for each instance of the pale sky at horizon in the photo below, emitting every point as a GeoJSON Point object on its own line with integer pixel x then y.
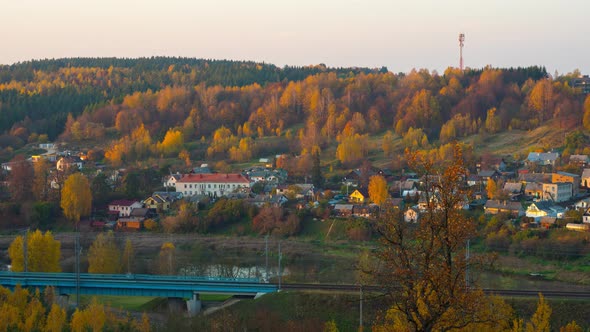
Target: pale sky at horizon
{"type": "Point", "coordinates": [372, 33]}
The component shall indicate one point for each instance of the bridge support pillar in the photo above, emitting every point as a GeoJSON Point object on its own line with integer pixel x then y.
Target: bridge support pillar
{"type": "Point", "coordinates": [175, 305]}
{"type": "Point", "coordinates": [63, 300]}
{"type": "Point", "coordinates": [193, 306]}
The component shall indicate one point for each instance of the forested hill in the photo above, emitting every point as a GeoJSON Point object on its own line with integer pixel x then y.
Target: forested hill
{"type": "Point", "coordinates": [131, 104]}
{"type": "Point", "coordinates": [44, 91]}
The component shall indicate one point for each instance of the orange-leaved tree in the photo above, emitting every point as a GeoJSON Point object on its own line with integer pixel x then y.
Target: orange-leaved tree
{"type": "Point", "coordinates": [378, 189]}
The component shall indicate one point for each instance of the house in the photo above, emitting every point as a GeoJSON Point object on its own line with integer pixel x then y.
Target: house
{"type": "Point", "coordinates": [585, 180]}
{"type": "Point", "coordinates": [544, 209]}
{"type": "Point", "coordinates": [47, 146]}
{"type": "Point", "coordinates": [579, 159]}
{"type": "Point", "coordinates": [203, 169]}
{"type": "Point", "coordinates": [411, 215]}
{"type": "Point", "coordinates": [396, 203]}
{"type": "Point", "coordinates": [574, 179]}
{"type": "Point", "coordinates": [547, 222]}
{"type": "Point", "coordinates": [129, 224]}
{"type": "Point", "coordinates": [534, 177]}
{"type": "Point", "coordinates": [494, 206]}
{"type": "Point", "coordinates": [402, 186]}
{"type": "Point", "coordinates": [68, 162]}
{"type": "Point", "coordinates": [307, 191]}
{"type": "Point", "coordinates": [534, 190]}
{"type": "Point", "coordinates": [485, 175]}
{"type": "Point", "coordinates": [586, 217]}
{"type": "Point", "coordinates": [364, 211]}
{"type": "Point", "coordinates": [271, 200]}
{"type": "Point", "coordinates": [157, 203]}
{"type": "Point", "coordinates": [140, 214]}
{"type": "Point", "coordinates": [214, 184]}
{"type": "Point", "coordinates": [171, 196]}
{"type": "Point", "coordinates": [473, 180]}
{"type": "Point", "coordinates": [170, 180]}
{"type": "Point", "coordinates": [123, 207]}
{"type": "Point", "coordinates": [343, 210]}
{"type": "Point", "coordinates": [542, 158]}
{"type": "Point", "coordinates": [359, 196]}
{"type": "Point", "coordinates": [496, 163]}
{"type": "Point", "coordinates": [513, 187]}
{"type": "Point", "coordinates": [258, 173]}
{"type": "Point", "coordinates": [557, 192]}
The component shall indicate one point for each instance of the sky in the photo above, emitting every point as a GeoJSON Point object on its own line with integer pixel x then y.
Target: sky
{"type": "Point", "coordinates": [400, 35]}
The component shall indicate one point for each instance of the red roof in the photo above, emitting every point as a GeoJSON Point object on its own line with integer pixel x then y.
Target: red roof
{"type": "Point", "coordinates": [214, 178]}
{"type": "Point", "coordinates": [123, 202]}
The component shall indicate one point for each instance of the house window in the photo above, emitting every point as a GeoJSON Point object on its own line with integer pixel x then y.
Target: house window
{"type": "Point", "coordinates": [209, 186]}
{"type": "Point", "coordinates": [185, 186]}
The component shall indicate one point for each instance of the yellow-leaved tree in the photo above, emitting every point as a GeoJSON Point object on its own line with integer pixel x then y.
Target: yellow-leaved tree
{"type": "Point", "coordinates": [93, 318]}
{"type": "Point", "coordinates": [172, 142]}
{"type": "Point", "coordinates": [128, 256]}
{"type": "Point", "coordinates": [378, 189]}
{"type": "Point", "coordinates": [43, 253]}
{"type": "Point", "coordinates": [76, 197]}
{"type": "Point", "coordinates": [167, 259]}
{"type": "Point", "coordinates": [56, 319]}
{"type": "Point", "coordinates": [104, 256]}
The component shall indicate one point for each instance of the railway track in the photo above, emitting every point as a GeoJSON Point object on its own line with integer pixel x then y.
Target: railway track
{"type": "Point", "coordinates": [500, 292]}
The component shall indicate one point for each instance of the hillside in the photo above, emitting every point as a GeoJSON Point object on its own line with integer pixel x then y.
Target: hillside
{"type": "Point", "coordinates": [216, 110]}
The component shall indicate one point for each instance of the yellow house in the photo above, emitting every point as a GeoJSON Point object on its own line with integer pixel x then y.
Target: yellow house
{"type": "Point", "coordinates": [358, 196]}
{"type": "Point", "coordinates": [157, 203]}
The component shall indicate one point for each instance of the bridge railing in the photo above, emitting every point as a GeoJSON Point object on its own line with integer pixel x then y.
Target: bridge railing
{"type": "Point", "coordinates": [146, 277]}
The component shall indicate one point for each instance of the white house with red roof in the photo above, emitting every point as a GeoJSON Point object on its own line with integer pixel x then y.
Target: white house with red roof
{"type": "Point", "coordinates": [212, 184]}
{"type": "Point", "coordinates": [124, 207]}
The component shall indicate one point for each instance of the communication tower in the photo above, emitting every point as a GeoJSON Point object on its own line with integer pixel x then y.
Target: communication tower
{"type": "Point", "coordinates": [461, 40]}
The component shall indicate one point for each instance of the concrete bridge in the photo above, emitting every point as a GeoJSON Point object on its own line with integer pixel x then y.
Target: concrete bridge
{"type": "Point", "coordinates": [175, 288]}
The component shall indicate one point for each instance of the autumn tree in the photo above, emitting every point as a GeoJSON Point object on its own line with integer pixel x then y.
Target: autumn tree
{"type": "Point", "coordinates": [20, 181]}
{"type": "Point", "coordinates": [541, 98]}
{"type": "Point", "coordinates": [128, 256]}
{"type": "Point", "coordinates": [76, 198]}
{"type": "Point", "coordinates": [275, 220]}
{"type": "Point", "coordinates": [378, 191]}
{"type": "Point", "coordinates": [491, 188]}
{"type": "Point", "coordinates": [352, 149]}
{"type": "Point", "coordinates": [540, 321]}
{"type": "Point", "coordinates": [43, 253]}
{"type": "Point", "coordinates": [586, 118]}
{"type": "Point", "coordinates": [316, 171]}
{"type": "Point", "coordinates": [492, 121]}
{"type": "Point", "coordinates": [93, 318]}
{"type": "Point", "coordinates": [101, 189]}
{"type": "Point", "coordinates": [56, 319]}
{"type": "Point", "coordinates": [387, 144]}
{"type": "Point", "coordinates": [166, 263]}
{"type": "Point", "coordinates": [423, 265]}
{"type": "Point", "coordinates": [104, 256]}
{"type": "Point", "coordinates": [40, 181]}
{"type": "Point", "coordinates": [172, 142]}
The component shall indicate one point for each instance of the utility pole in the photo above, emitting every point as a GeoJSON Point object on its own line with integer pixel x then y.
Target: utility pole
{"type": "Point", "coordinates": [25, 253]}
{"type": "Point", "coordinates": [77, 249]}
{"type": "Point", "coordinates": [361, 307]}
{"type": "Point", "coordinates": [467, 266]}
{"type": "Point", "coordinates": [266, 277]}
{"type": "Point", "coordinates": [280, 256]}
